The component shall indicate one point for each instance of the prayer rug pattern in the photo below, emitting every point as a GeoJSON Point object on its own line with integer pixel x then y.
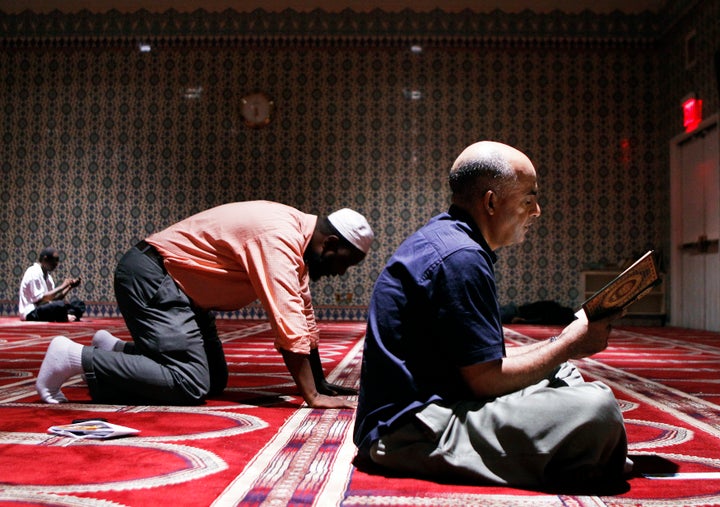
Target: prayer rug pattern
{"type": "Point", "coordinates": [242, 448]}
{"type": "Point", "coordinates": [259, 445]}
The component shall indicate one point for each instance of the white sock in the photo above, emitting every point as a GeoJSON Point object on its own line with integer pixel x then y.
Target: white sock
{"type": "Point", "coordinates": [105, 341]}
{"type": "Point", "coordinates": [63, 359]}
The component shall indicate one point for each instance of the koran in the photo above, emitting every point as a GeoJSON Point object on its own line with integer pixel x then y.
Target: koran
{"type": "Point", "coordinates": [629, 286]}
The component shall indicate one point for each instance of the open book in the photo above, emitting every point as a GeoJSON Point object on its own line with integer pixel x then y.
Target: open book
{"type": "Point", "coordinates": [95, 428]}
{"type": "Point", "coordinates": [629, 286]}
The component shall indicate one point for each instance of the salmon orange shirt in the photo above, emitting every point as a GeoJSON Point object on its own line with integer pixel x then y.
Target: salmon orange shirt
{"type": "Point", "coordinates": [226, 257]}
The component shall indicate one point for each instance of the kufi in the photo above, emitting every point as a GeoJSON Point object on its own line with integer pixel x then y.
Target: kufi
{"type": "Point", "coordinates": [353, 227]}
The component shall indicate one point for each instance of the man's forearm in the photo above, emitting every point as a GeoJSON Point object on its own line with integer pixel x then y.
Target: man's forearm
{"type": "Point", "coordinates": [49, 296]}
{"type": "Point", "coordinates": [524, 349]}
{"type": "Point", "coordinates": [299, 367]}
{"type": "Point", "coordinates": [57, 293]}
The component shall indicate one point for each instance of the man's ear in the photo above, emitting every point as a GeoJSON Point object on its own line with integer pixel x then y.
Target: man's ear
{"type": "Point", "coordinates": [331, 243]}
{"type": "Point", "coordinates": [489, 200]}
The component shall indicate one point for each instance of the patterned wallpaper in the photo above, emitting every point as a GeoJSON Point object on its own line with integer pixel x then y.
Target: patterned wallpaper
{"type": "Point", "coordinates": [102, 144]}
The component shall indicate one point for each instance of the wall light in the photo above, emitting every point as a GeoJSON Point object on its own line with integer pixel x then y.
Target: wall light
{"type": "Point", "coordinates": [412, 94]}
{"type": "Point", "coordinates": [193, 92]}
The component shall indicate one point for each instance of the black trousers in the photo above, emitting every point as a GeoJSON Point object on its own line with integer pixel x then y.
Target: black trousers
{"type": "Point", "coordinates": [176, 357]}
{"type": "Point", "coordinates": [57, 311]}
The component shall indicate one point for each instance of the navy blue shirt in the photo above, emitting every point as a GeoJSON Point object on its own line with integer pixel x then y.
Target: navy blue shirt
{"type": "Point", "coordinates": [434, 309]}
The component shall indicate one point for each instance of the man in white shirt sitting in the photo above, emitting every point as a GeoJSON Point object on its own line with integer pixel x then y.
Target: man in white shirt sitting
{"type": "Point", "coordinates": [40, 299]}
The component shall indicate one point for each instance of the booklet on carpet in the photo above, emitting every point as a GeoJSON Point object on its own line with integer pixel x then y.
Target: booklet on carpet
{"type": "Point", "coordinates": [93, 428]}
{"type": "Point", "coordinates": [629, 286]}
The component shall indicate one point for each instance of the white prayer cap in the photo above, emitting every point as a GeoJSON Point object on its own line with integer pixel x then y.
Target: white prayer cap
{"type": "Point", "coordinates": [353, 227]}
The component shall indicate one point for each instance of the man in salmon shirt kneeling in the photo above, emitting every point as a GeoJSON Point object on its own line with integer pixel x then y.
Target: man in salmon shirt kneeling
{"type": "Point", "coordinates": [168, 285]}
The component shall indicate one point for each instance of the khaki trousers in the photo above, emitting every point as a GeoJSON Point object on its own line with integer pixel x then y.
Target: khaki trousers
{"type": "Point", "coordinates": [559, 431]}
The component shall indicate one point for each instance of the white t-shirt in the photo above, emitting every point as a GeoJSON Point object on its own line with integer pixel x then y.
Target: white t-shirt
{"type": "Point", "coordinates": [33, 286]}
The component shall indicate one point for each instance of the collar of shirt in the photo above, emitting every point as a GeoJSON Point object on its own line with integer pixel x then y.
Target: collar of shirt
{"type": "Point", "coordinates": [463, 216]}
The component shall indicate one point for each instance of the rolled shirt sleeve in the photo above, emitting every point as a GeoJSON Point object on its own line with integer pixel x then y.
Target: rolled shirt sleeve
{"type": "Point", "coordinates": [281, 281]}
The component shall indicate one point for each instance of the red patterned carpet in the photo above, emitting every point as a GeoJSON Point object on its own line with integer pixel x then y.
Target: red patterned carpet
{"type": "Point", "coordinates": [258, 445]}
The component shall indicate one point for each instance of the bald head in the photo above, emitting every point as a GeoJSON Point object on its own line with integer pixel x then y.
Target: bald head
{"type": "Point", "coordinates": [497, 185]}
{"type": "Point", "coordinates": [483, 166]}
